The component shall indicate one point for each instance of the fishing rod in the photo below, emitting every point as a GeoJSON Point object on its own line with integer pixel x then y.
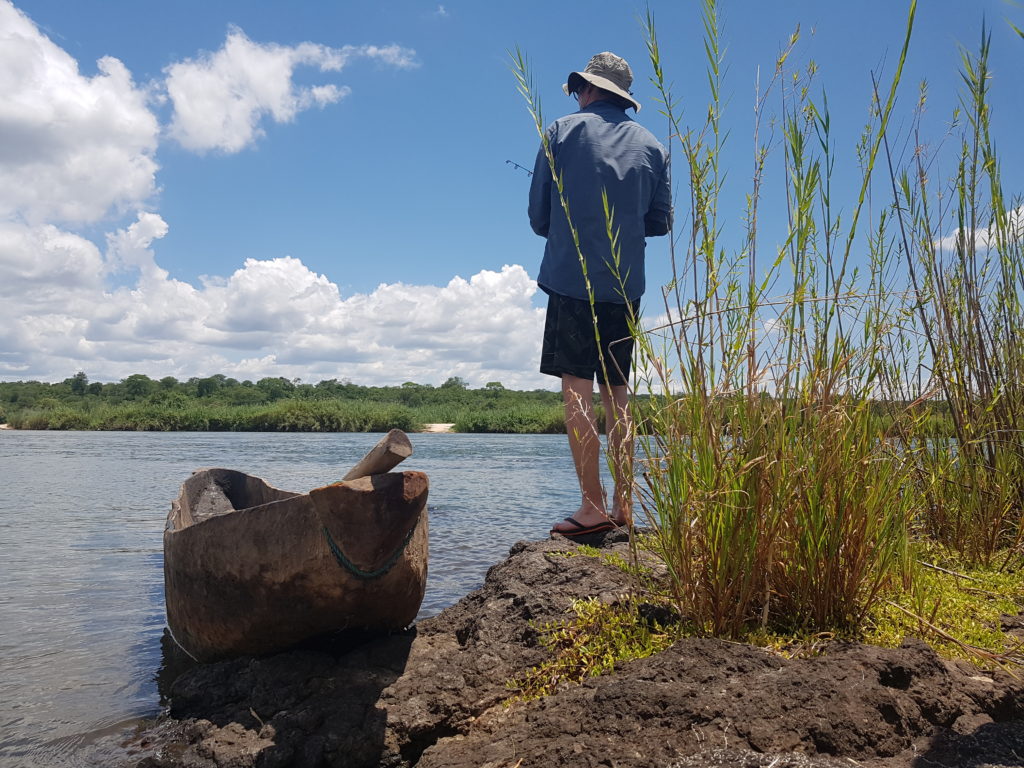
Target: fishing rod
{"type": "Point", "coordinates": [520, 167]}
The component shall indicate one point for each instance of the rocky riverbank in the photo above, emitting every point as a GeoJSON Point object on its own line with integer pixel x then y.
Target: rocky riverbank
{"type": "Point", "coordinates": [433, 697]}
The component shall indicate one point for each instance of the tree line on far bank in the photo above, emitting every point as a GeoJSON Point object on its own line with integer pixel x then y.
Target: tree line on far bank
{"type": "Point", "coordinates": [276, 404]}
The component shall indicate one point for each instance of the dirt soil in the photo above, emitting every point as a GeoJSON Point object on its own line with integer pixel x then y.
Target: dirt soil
{"type": "Point", "coordinates": [433, 696]}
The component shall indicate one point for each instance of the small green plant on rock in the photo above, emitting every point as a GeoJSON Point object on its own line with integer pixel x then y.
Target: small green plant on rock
{"type": "Point", "coordinates": [962, 610]}
{"type": "Point", "coordinates": [640, 569]}
{"type": "Point", "coordinates": [593, 642]}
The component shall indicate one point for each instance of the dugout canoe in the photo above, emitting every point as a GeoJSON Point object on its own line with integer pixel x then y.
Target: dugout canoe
{"type": "Point", "coordinates": [251, 569]}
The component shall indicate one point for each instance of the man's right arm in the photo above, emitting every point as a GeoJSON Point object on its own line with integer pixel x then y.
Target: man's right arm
{"type": "Point", "coordinates": [540, 194]}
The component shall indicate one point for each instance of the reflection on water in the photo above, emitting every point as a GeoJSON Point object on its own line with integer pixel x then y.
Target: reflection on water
{"type": "Point", "coordinates": [81, 520]}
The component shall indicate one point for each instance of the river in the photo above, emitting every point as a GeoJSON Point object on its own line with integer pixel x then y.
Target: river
{"type": "Point", "coordinates": [81, 571]}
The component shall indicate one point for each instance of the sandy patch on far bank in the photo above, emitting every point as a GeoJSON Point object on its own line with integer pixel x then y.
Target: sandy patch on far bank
{"type": "Point", "coordinates": [438, 427]}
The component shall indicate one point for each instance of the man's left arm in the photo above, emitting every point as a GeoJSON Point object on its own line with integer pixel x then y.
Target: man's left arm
{"type": "Point", "coordinates": [540, 194]}
{"type": "Point", "coordinates": [658, 220]}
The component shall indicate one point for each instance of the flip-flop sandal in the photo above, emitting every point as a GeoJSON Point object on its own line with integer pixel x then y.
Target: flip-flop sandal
{"type": "Point", "coordinates": [585, 530]}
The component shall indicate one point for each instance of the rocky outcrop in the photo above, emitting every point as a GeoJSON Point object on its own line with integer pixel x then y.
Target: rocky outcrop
{"type": "Point", "coordinates": [432, 697]}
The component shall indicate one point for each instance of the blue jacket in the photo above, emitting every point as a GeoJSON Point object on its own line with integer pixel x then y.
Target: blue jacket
{"type": "Point", "coordinates": [597, 148]}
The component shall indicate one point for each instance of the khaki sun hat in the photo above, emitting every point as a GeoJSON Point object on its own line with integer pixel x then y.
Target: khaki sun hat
{"type": "Point", "coordinates": [608, 71]}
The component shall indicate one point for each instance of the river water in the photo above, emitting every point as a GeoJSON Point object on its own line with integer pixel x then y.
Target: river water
{"type": "Point", "coordinates": [81, 562]}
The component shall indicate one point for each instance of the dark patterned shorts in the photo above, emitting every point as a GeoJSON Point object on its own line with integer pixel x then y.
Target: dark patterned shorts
{"type": "Point", "coordinates": [570, 346]}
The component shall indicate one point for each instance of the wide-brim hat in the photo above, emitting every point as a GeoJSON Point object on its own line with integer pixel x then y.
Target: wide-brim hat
{"type": "Point", "coordinates": [608, 71]}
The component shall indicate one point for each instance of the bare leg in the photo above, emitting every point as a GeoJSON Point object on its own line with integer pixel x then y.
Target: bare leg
{"type": "Point", "coordinates": [619, 429]}
{"type": "Point", "coordinates": [585, 444]}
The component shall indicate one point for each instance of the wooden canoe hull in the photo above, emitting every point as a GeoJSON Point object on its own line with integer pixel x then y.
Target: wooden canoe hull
{"type": "Point", "coordinates": [251, 569]}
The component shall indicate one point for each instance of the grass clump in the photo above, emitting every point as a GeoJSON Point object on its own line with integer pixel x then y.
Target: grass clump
{"type": "Point", "coordinates": [798, 456]}
{"type": "Point", "coordinates": [777, 500]}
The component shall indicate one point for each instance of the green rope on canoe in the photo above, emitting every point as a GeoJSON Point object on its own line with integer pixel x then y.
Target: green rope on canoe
{"type": "Point", "coordinates": [358, 572]}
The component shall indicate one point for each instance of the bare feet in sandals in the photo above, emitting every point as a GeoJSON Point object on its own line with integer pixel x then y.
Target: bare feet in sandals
{"type": "Point", "coordinates": [586, 520]}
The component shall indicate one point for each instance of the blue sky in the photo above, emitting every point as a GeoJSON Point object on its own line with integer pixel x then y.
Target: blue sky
{"type": "Point", "coordinates": [319, 190]}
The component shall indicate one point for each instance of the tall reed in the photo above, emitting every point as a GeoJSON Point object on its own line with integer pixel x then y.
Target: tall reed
{"type": "Point", "coordinates": [968, 291]}
{"type": "Point", "coordinates": [774, 496]}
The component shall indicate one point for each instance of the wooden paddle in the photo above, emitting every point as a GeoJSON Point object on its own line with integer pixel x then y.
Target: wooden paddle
{"type": "Point", "coordinates": [392, 449]}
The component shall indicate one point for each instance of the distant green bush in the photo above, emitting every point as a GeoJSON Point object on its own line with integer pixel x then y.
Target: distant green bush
{"type": "Point", "coordinates": [523, 420]}
{"type": "Point", "coordinates": [50, 418]}
{"type": "Point", "coordinates": [325, 416]}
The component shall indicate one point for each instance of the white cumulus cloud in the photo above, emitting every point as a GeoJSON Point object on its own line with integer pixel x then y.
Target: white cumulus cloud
{"type": "Point", "coordinates": [130, 248]}
{"type": "Point", "coordinates": [988, 236]}
{"type": "Point", "coordinates": [220, 98]}
{"type": "Point", "coordinates": [271, 317]}
{"type": "Point", "coordinates": [43, 259]}
{"type": "Point", "coordinates": [71, 147]}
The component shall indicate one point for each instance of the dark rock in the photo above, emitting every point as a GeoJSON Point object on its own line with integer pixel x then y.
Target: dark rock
{"type": "Point", "coordinates": [434, 696]}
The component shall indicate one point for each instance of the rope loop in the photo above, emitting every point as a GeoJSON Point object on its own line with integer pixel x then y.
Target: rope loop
{"type": "Point", "coordinates": [358, 572]}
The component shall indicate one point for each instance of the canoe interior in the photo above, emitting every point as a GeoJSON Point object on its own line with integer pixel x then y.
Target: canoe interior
{"type": "Point", "coordinates": [216, 491]}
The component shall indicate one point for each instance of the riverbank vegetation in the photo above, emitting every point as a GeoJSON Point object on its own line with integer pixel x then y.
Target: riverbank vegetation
{"type": "Point", "coordinates": [219, 403]}
{"type": "Point", "coordinates": [793, 474]}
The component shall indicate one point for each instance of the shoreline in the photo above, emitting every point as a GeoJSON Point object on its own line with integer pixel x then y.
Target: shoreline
{"type": "Point", "coordinates": [439, 428]}
{"type": "Point", "coordinates": [435, 695]}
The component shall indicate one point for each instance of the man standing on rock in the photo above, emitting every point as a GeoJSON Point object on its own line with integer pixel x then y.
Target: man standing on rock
{"type": "Point", "coordinates": [607, 162]}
